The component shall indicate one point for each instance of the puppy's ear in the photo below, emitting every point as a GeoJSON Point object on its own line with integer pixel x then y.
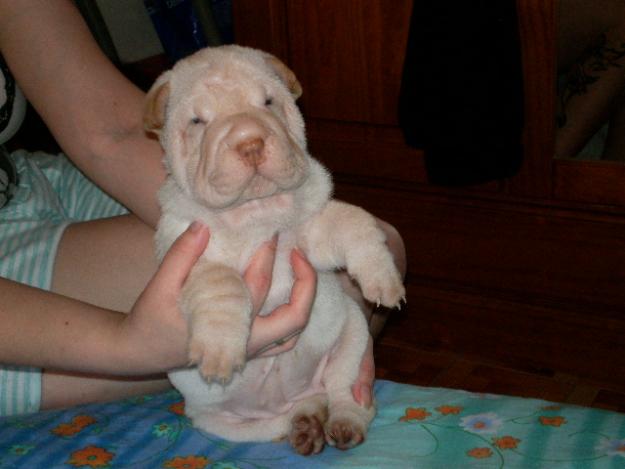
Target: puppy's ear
{"type": "Point", "coordinates": [285, 74]}
{"type": "Point", "coordinates": [155, 104]}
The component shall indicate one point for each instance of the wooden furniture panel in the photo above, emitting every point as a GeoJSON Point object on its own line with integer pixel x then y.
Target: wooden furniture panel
{"type": "Point", "coordinates": [538, 340]}
{"type": "Point", "coordinates": [537, 254]}
{"type": "Point", "coordinates": [538, 49]}
{"type": "Point", "coordinates": [372, 152]}
{"type": "Point", "coordinates": [262, 24]}
{"type": "Point", "coordinates": [601, 182]}
{"type": "Point", "coordinates": [343, 53]}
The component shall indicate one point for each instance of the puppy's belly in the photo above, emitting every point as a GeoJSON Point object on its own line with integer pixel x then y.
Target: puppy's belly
{"type": "Point", "coordinates": [268, 387]}
{"type": "Point", "coordinates": [275, 387]}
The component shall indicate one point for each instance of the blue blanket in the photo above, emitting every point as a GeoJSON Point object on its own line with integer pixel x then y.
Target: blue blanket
{"type": "Point", "coordinates": [415, 427]}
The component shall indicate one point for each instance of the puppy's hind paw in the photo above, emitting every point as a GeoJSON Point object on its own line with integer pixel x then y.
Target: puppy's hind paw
{"type": "Point", "coordinates": [306, 435]}
{"type": "Point", "coordinates": [344, 434]}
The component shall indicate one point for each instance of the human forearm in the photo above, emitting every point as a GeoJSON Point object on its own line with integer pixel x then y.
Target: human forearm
{"type": "Point", "coordinates": [93, 111]}
{"type": "Point", "coordinates": [51, 331]}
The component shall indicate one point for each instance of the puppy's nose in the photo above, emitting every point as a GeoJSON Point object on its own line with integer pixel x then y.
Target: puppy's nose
{"type": "Point", "coordinates": [251, 150]}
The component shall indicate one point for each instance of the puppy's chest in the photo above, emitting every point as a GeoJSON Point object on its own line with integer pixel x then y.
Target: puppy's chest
{"type": "Point", "coordinates": [237, 252]}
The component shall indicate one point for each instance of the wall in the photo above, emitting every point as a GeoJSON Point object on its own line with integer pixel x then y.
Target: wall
{"type": "Point", "coordinates": [131, 29]}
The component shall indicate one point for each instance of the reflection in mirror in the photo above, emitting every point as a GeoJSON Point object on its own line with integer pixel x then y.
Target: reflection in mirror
{"type": "Point", "coordinates": [591, 80]}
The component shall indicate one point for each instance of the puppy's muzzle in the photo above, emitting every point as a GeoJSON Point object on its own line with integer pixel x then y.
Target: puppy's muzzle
{"type": "Point", "coordinates": [251, 151]}
{"type": "Point", "coordinates": [247, 137]}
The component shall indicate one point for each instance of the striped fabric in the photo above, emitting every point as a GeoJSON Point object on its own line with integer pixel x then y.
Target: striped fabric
{"type": "Point", "coordinates": [51, 194]}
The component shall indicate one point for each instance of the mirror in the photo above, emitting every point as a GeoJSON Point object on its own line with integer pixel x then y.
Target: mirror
{"type": "Point", "coordinates": [590, 113]}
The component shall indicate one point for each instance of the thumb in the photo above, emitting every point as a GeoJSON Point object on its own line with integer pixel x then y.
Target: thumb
{"type": "Point", "coordinates": [182, 256]}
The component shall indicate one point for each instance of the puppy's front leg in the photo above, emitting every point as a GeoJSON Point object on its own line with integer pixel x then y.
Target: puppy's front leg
{"type": "Point", "coordinates": [344, 235]}
{"type": "Point", "coordinates": [218, 309]}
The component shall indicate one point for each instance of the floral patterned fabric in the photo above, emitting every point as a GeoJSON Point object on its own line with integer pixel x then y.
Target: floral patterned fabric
{"type": "Point", "coordinates": [415, 427]}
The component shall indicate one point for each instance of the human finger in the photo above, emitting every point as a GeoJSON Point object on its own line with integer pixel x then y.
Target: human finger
{"type": "Point", "coordinates": [259, 272]}
{"type": "Point", "coordinates": [278, 347]}
{"type": "Point", "coordinates": [292, 316]}
{"type": "Point", "coordinates": [305, 285]}
{"type": "Point", "coordinates": [284, 323]}
{"type": "Point", "coordinates": [181, 257]}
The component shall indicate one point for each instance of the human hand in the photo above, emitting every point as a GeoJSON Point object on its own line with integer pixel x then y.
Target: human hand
{"type": "Point", "coordinates": [288, 320]}
{"type": "Point", "coordinates": [155, 327]}
{"type": "Point", "coordinates": [278, 331]}
{"type": "Point", "coordinates": [159, 333]}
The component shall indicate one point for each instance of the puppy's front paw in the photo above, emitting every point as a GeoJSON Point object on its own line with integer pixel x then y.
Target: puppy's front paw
{"type": "Point", "coordinates": [383, 287]}
{"type": "Point", "coordinates": [217, 349]}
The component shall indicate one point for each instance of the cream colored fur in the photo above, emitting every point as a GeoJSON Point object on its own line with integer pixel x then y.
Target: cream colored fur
{"type": "Point", "coordinates": [236, 153]}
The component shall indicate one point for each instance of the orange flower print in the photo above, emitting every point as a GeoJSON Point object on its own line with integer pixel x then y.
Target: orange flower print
{"type": "Point", "coordinates": [449, 409]}
{"type": "Point", "coordinates": [83, 420]}
{"type": "Point", "coordinates": [506, 442]}
{"type": "Point", "coordinates": [91, 456]}
{"type": "Point", "coordinates": [187, 462]}
{"type": "Point", "coordinates": [66, 429]}
{"type": "Point", "coordinates": [480, 453]}
{"type": "Point", "coordinates": [552, 421]}
{"type": "Point", "coordinates": [77, 424]}
{"type": "Point", "coordinates": [177, 408]}
{"type": "Point", "coordinates": [415, 414]}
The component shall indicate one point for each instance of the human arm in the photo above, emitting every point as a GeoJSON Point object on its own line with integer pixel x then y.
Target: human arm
{"type": "Point", "coordinates": [52, 331]}
{"type": "Point", "coordinates": [93, 111]}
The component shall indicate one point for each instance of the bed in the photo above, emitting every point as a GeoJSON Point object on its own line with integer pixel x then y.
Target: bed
{"type": "Point", "coordinates": [415, 427]}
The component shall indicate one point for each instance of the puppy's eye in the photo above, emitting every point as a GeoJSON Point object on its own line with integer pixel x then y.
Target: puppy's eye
{"type": "Point", "coordinates": [196, 120]}
{"type": "Point", "coordinates": [268, 101]}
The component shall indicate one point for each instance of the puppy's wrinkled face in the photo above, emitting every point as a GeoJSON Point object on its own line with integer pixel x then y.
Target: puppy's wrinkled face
{"type": "Point", "coordinates": [228, 123]}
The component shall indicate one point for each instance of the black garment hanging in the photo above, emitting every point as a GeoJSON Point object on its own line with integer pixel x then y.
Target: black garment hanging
{"type": "Point", "coordinates": [461, 97]}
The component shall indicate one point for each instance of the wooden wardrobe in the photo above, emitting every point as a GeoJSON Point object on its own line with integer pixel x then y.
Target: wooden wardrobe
{"type": "Point", "coordinates": [527, 270]}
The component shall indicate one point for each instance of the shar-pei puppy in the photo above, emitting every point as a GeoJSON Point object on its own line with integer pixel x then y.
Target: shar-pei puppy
{"type": "Point", "coordinates": [235, 151]}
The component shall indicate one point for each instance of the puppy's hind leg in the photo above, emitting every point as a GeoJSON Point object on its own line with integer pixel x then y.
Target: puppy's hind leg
{"type": "Point", "coordinates": [308, 418]}
{"type": "Point", "coordinates": [348, 421]}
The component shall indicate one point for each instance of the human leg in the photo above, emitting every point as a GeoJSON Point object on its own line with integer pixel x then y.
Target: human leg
{"type": "Point", "coordinates": [104, 262]}
{"type": "Point", "coordinates": [46, 241]}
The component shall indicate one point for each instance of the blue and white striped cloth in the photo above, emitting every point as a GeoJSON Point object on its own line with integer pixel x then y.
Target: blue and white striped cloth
{"type": "Point", "coordinates": [51, 194]}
